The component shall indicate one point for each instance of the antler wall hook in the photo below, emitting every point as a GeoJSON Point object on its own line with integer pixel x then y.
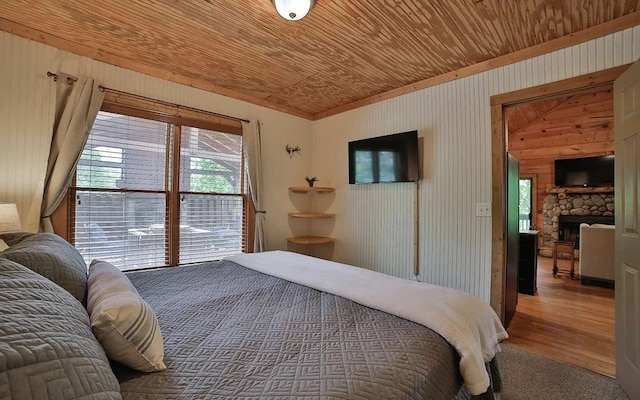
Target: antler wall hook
{"type": "Point", "coordinates": [291, 150]}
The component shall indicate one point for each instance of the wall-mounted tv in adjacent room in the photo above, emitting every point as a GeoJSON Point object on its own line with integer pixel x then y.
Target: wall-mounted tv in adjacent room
{"type": "Point", "coordinates": [590, 171]}
{"type": "Point", "coordinates": [390, 158]}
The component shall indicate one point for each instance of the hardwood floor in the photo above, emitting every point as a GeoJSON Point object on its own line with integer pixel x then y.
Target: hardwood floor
{"type": "Point", "coordinates": [567, 321]}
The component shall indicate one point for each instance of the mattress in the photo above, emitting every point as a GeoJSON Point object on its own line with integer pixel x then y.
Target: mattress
{"type": "Point", "coordinates": [231, 332]}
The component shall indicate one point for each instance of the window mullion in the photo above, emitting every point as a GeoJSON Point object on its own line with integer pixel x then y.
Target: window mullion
{"type": "Point", "coordinates": [245, 200]}
{"type": "Point", "coordinates": [174, 200]}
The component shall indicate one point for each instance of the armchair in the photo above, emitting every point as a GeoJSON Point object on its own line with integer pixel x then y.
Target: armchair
{"type": "Point", "coordinates": [597, 252]}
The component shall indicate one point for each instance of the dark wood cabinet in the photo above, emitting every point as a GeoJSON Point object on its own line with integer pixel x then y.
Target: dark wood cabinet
{"type": "Point", "coordinates": [528, 262]}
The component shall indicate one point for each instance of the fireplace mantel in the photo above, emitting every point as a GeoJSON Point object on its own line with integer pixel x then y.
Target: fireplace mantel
{"type": "Point", "coordinates": [580, 189]}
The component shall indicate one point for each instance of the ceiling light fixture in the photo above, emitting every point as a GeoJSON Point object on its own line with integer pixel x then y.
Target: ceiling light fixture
{"type": "Point", "coordinates": [293, 10]}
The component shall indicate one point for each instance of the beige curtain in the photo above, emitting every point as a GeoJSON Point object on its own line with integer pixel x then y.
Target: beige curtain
{"type": "Point", "coordinates": [77, 105]}
{"type": "Point", "coordinates": [251, 136]}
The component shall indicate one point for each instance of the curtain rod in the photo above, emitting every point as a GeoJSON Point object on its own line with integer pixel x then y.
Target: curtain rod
{"type": "Point", "coordinates": [72, 79]}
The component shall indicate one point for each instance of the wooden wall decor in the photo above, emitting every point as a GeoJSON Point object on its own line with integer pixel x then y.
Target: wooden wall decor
{"type": "Point", "coordinates": [343, 55]}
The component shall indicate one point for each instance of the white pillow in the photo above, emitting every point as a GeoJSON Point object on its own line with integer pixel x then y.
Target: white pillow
{"type": "Point", "coordinates": [122, 321]}
{"type": "Point", "coordinates": [3, 245]}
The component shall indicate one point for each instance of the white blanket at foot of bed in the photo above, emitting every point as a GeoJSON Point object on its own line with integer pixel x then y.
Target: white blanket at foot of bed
{"type": "Point", "coordinates": [468, 323]}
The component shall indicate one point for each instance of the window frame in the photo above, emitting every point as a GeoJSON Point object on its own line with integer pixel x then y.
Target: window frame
{"type": "Point", "coordinates": [176, 117]}
{"type": "Point", "coordinates": [533, 201]}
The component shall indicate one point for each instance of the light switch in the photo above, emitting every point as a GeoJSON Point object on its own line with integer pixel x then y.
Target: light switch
{"type": "Point", "coordinates": [483, 209]}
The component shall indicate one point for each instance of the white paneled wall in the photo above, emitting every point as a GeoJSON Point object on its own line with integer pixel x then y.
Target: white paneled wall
{"type": "Point", "coordinates": [374, 222]}
{"type": "Point", "coordinates": [26, 104]}
{"type": "Point", "coordinates": [26, 112]}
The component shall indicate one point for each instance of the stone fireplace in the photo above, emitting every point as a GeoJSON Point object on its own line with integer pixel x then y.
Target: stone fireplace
{"type": "Point", "coordinates": [564, 212]}
{"type": "Point", "coordinates": [569, 226]}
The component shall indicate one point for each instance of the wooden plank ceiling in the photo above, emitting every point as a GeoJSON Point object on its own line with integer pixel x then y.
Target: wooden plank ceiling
{"type": "Point", "coordinates": [580, 125]}
{"type": "Point", "coordinates": [344, 51]}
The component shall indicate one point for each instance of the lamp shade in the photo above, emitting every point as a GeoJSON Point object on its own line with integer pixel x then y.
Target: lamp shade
{"type": "Point", "coordinates": [293, 10]}
{"type": "Point", "coordinates": [9, 219]}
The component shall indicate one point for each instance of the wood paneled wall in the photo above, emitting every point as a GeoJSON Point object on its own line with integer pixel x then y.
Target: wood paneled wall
{"type": "Point", "coordinates": [580, 125]}
{"type": "Point", "coordinates": [453, 120]}
{"type": "Point", "coordinates": [26, 115]}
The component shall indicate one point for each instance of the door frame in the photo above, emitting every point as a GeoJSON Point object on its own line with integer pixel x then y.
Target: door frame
{"type": "Point", "coordinates": [498, 158]}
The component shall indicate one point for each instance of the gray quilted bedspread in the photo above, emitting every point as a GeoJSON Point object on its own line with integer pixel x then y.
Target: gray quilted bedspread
{"type": "Point", "coordinates": [47, 349]}
{"type": "Point", "coordinates": [231, 332]}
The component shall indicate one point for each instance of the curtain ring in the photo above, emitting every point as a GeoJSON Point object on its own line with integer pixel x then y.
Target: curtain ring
{"type": "Point", "coordinates": [70, 81]}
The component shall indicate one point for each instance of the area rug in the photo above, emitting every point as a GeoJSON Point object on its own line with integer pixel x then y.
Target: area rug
{"type": "Point", "coordinates": [529, 376]}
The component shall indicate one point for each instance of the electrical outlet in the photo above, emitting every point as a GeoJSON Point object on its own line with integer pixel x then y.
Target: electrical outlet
{"type": "Point", "coordinates": [483, 209]}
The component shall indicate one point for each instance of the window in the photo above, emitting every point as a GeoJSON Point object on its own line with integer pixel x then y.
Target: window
{"type": "Point", "coordinates": [126, 210]}
{"type": "Point", "coordinates": [211, 200]}
{"type": "Point", "coordinates": [525, 204]}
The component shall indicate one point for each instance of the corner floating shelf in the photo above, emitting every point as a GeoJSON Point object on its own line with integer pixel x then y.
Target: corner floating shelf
{"type": "Point", "coordinates": [316, 189]}
{"type": "Point", "coordinates": [310, 240]}
{"type": "Point", "coordinates": [310, 215]}
{"type": "Point", "coordinates": [600, 189]}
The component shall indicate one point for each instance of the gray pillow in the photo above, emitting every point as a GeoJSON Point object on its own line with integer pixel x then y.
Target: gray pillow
{"type": "Point", "coordinates": [54, 258]}
{"type": "Point", "coordinates": [11, 238]}
{"type": "Point", "coordinates": [47, 348]}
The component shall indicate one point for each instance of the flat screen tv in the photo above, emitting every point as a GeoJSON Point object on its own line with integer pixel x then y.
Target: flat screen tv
{"type": "Point", "coordinates": [390, 158]}
{"type": "Point", "coordinates": [590, 171]}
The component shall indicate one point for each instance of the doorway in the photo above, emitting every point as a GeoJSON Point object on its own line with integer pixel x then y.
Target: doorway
{"type": "Point", "coordinates": [566, 319]}
{"type": "Point", "coordinates": [500, 140]}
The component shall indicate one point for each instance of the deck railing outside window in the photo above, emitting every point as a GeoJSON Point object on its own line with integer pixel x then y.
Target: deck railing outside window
{"type": "Point", "coordinates": [126, 192]}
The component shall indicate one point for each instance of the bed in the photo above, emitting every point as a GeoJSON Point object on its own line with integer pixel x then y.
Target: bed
{"type": "Point", "coordinates": [268, 325]}
{"type": "Point", "coordinates": [281, 325]}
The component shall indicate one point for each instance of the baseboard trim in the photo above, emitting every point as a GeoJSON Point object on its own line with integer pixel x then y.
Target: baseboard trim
{"type": "Point", "coordinates": [606, 283]}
